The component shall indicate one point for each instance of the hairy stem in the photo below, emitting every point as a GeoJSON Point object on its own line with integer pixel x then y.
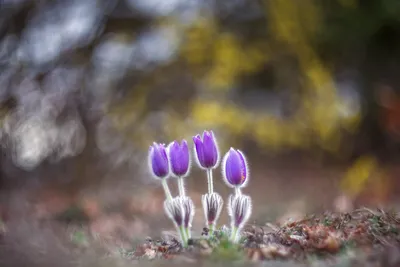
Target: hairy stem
{"type": "Point", "coordinates": [166, 189]}
{"type": "Point", "coordinates": [188, 234]}
{"type": "Point", "coordinates": [181, 187]}
{"type": "Point", "coordinates": [211, 227]}
{"type": "Point", "coordinates": [182, 233]}
{"type": "Point", "coordinates": [210, 181]}
{"type": "Point", "coordinates": [234, 234]}
{"type": "Point", "coordinates": [238, 192]}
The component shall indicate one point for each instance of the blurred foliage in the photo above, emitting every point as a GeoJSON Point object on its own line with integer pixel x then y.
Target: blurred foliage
{"type": "Point", "coordinates": [266, 71]}
{"type": "Point", "coordinates": [227, 251]}
{"type": "Point", "coordinates": [224, 250]}
{"type": "Point", "coordinates": [220, 60]}
{"type": "Point", "coordinates": [309, 33]}
{"type": "Point", "coordinates": [289, 48]}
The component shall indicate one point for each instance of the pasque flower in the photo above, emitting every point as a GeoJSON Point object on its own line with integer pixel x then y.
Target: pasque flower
{"type": "Point", "coordinates": [175, 211]}
{"type": "Point", "coordinates": [175, 161]}
{"type": "Point", "coordinates": [179, 158]}
{"type": "Point", "coordinates": [159, 165]}
{"type": "Point", "coordinates": [212, 205]}
{"type": "Point", "coordinates": [158, 161]}
{"type": "Point", "coordinates": [189, 210]}
{"type": "Point", "coordinates": [206, 150]}
{"type": "Point", "coordinates": [239, 209]}
{"type": "Point", "coordinates": [207, 158]}
{"type": "Point", "coordinates": [235, 169]}
{"type": "Point", "coordinates": [207, 155]}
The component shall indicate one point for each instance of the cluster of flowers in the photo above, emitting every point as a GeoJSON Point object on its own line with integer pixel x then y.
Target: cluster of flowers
{"type": "Point", "coordinates": [175, 161]}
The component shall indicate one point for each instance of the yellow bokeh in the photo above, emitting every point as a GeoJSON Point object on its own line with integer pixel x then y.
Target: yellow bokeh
{"type": "Point", "coordinates": [349, 3]}
{"type": "Point", "coordinates": [357, 176]}
{"type": "Point", "coordinates": [218, 59]}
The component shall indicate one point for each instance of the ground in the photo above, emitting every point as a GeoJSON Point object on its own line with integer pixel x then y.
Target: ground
{"type": "Point", "coordinates": [362, 237]}
{"type": "Point", "coordinates": [113, 225]}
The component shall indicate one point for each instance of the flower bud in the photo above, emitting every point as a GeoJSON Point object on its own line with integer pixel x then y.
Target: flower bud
{"type": "Point", "coordinates": [239, 210]}
{"type": "Point", "coordinates": [206, 150]}
{"type": "Point", "coordinates": [234, 168]}
{"type": "Point", "coordinates": [174, 210]}
{"type": "Point", "coordinates": [158, 161]}
{"type": "Point", "coordinates": [189, 210]}
{"type": "Point", "coordinates": [212, 205]}
{"type": "Point", "coordinates": [179, 158]}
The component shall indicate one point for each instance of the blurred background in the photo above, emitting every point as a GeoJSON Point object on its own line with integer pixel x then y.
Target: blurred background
{"type": "Point", "coordinates": [307, 89]}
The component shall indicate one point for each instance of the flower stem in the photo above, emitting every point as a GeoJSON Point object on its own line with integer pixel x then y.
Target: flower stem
{"type": "Point", "coordinates": [187, 231]}
{"type": "Point", "coordinates": [211, 227]}
{"type": "Point", "coordinates": [234, 234]}
{"type": "Point", "coordinates": [210, 181]}
{"type": "Point", "coordinates": [166, 189]}
{"type": "Point", "coordinates": [183, 236]}
{"type": "Point", "coordinates": [181, 187]}
{"type": "Point", "coordinates": [238, 192]}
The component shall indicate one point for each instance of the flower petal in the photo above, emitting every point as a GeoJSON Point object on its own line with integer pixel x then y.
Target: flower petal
{"type": "Point", "coordinates": [179, 158]}
{"type": "Point", "coordinates": [239, 209]}
{"type": "Point", "coordinates": [233, 168]}
{"type": "Point", "coordinates": [185, 157]}
{"type": "Point", "coordinates": [163, 152]}
{"type": "Point", "coordinates": [189, 211]}
{"type": "Point", "coordinates": [210, 150]}
{"type": "Point", "coordinates": [212, 205]}
{"type": "Point", "coordinates": [174, 210]}
{"type": "Point", "coordinates": [199, 150]}
{"type": "Point", "coordinates": [158, 161]}
{"type": "Point", "coordinates": [244, 167]}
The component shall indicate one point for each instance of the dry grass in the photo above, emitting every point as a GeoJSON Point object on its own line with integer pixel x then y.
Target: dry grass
{"type": "Point", "coordinates": [360, 238]}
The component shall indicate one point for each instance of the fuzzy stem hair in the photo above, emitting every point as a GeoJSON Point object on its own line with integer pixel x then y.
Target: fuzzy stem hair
{"type": "Point", "coordinates": [210, 181]}
{"type": "Point", "coordinates": [168, 194]}
{"type": "Point", "coordinates": [181, 186]}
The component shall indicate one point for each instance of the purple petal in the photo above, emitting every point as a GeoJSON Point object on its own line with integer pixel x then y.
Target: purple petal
{"type": "Point", "coordinates": [215, 148]}
{"type": "Point", "coordinates": [198, 144]}
{"type": "Point", "coordinates": [173, 152]}
{"type": "Point", "coordinates": [159, 161]}
{"type": "Point", "coordinates": [185, 154]}
{"type": "Point", "coordinates": [210, 150]}
{"type": "Point", "coordinates": [233, 168]}
{"type": "Point", "coordinates": [244, 166]}
{"type": "Point", "coordinates": [179, 158]}
{"type": "Point", "coordinates": [163, 152]}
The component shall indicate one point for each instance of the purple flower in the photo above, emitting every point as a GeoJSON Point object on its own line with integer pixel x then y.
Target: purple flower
{"type": "Point", "coordinates": [206, 150]}
{"type": "Point", "coordinates": [179, 158]}
{"type": "Point", "coordinates": [239, 209]}
{"type": "Point", "coordinates": [234, 168]}
{"type": "Point", "coordinates": [158, 161]}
